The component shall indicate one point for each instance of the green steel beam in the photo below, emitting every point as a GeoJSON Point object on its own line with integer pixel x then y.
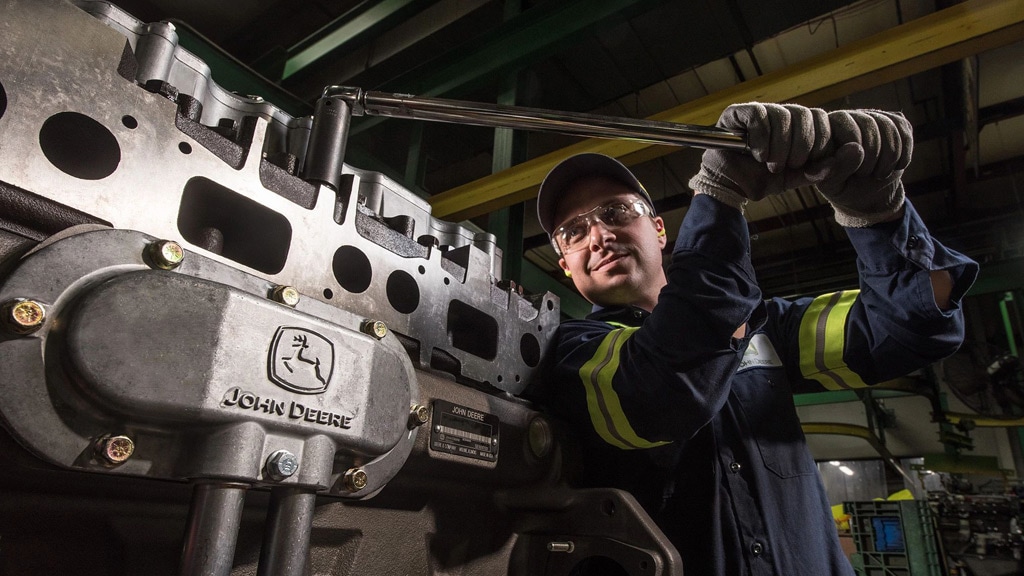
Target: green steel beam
{"type": "Point", "coordinates": [525, 38]}
{"type": "Point", "coordinates": [364, 21]}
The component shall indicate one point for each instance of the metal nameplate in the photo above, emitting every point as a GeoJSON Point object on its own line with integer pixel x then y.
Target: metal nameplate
{"type": "Point", "coordinates": [464, 431]}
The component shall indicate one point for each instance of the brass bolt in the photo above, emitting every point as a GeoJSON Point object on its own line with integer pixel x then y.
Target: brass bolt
{"type": "Point", "coordinates": [374, 328]}
{"type": "Point", "coordinates": [286, 295]}
{"type": "Point", "coordinates": [355, 479]}
{"type": "Point", "coordinates": [25, 316]}
{"type": "Point", "coordinates": [115, 449]}
{"type": "Point", "coordinates": [419, 415]}
{"type": "Point", "coordinates": [165, 254]}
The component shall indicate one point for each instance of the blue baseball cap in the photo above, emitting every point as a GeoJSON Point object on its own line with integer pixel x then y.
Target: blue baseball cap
{"type": "Point", "coordinates": [572, 169]}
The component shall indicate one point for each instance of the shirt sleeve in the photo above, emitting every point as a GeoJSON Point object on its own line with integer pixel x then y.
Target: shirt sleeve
{"type": "Point", "coordinates": [640, 387]}
{"type": "Point", "coordinates": [888, 328]}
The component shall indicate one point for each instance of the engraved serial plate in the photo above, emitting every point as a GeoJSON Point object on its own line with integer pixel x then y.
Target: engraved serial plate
{"type": "Point", "coordinates": [464, 431]}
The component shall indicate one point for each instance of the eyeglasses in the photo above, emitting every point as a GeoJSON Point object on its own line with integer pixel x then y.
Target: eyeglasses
{"type": "Point", "coordinates": [573, 235]}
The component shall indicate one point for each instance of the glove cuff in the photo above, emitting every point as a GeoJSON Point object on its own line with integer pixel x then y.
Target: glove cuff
{"type": "Point", "coordinates": [850, 218]}
{"type": "Point", "coordinates": [703, 183]}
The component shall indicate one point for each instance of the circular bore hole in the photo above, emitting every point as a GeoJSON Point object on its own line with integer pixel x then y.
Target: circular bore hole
{"type": "Point", "coordinates": [129, 122]}
{"type": "Point", "coordinates": [551, 304]}
{"type": "Point", "coordinates": [185, 147]}
{"type": "Point", "coordinates": [499, 378]}
{"type": "Point", "coordinates": [79, 146]}
{"type": "Point", "coordinates": [328, 293]}
{"type": "Point", "coordinates": [447, 281]}
{"type": "Point", "coordinates": [352, 269]}
{"type": "Point", "coordinates": [403, 292]}
{"type": "Point", "coordinates": [529, 349]}
{"type": "Point", "coordinates": [422, 270]}
{"type": "Point", "coordinates": [3, 100]}
{"type": "Point", "coordinates": [518, 378]}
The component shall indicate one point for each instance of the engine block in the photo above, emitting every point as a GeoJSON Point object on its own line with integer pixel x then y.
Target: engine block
{"type": "Point", "coordinates": [231, 352]}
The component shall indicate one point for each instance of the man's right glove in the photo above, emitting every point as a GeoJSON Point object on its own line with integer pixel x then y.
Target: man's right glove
{"type": "Point", "coordinates": [786, 143]}
{"type": "Point", "coordinates": [872, 149]}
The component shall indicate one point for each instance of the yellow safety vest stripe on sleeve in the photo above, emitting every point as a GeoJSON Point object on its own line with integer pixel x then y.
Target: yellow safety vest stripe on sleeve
{"type": "Point", "coordinates": [603, 404]}
{"type": "Point", "coordinates": [823, 339]}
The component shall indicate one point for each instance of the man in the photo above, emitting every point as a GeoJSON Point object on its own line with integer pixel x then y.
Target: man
{"type": "Point", "coordinates": [680, 382]}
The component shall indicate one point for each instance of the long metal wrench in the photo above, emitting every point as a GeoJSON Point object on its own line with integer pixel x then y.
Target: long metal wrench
{"type": "Point", "coordinates": [371, 103]}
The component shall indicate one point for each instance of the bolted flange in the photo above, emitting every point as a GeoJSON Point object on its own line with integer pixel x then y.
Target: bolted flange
{"type": "Point", "coordinates": [24, 316]}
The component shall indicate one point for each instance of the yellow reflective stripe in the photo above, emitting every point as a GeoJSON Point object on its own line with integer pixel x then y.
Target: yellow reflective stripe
{"type": "Point", "coordinates": [603, 403]}
{"type": "Point", "coordinates": [823, 339]}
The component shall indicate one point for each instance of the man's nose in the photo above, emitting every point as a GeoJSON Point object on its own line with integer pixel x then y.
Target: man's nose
{"type": "Point", "coordinates": [599, 234]}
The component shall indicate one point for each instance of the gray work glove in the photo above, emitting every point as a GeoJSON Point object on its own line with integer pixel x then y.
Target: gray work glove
{"type": "Point", "coordinates": [872, 149]}
{"type": "Point", "coordinates": [786, 143]}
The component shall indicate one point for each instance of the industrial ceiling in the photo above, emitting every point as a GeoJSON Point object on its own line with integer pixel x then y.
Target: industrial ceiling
{"type": "Point", "coordinates": [952, 68]}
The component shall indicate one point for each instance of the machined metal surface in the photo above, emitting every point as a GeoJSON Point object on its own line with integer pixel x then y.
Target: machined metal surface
{"type": "Point", "coordinates": [225, 351]}
{"type": "Point", "coordinates": [239, 181]}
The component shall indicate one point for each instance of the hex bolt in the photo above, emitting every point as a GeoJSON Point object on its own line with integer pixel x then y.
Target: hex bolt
{"type": "Point", "coordinates": [355, 479]}
{"type": "Point", "coordinates": [286, 295]}
{"type": "Point", "coordinates": [419, 415]}
{"type": "Point", "coordinates": [165, 254]}
{"type": "Point", "coordinates": [115, 450]}
{"type": "Point", "coordinates": [24, 316]}
{"type": "Point", "coordinates": [282, 464]}
{"type": "Point", "coordinates": [374, 328]}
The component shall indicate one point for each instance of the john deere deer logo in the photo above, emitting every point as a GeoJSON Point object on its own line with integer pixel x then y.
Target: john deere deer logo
{"type": "Point", "coordinates": [301, 360]}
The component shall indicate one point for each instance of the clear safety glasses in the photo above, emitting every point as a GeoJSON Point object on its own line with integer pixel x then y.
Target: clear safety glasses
{"type": "Point", "coordinates": [573, 235]}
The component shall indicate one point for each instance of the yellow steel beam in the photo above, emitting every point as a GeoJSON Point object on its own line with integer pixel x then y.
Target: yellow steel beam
{"type": "Point", "coordinates": [946, 36]}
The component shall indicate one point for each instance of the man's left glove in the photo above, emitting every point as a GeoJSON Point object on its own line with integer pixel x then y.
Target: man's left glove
{"type": "Point", "coordinates": [786, 142]}
{"type": "Point", "coordinates": [872, 149]}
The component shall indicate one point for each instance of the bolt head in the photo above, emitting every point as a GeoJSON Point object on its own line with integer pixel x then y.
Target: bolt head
{"type": "Point", "coordinates": [375, 328]}
{"type": "Point", "coordinates": [355, 479]}
{"type": "Point", "coordinates": [166, 254]}
{"type": "Point", "coordinates": [115, 449]}
{"type": "Point", "coordinates": [420, 414]}
{"type": "Point", "coordinates": [286, 295]}
{"type": "Point", "coordinates": [282, 464]}
{"type": "Point", "coordinates": [25, 316]}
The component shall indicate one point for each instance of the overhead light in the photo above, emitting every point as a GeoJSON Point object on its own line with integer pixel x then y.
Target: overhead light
{"type": "Point", "coordinates": [846, 470]}
{"type": "Point", "coordinates": [834, 462]}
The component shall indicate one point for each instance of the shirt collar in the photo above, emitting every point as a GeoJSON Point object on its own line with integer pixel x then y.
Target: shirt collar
{"type": "Point", "coordinates": [628, 315]}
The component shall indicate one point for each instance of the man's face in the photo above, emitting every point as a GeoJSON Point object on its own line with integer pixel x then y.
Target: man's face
{"type": "Point", "coordinates": [618, 266]}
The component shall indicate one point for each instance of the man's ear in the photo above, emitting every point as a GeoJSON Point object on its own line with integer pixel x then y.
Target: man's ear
{"type": "Point", "coordinates": [564, 267]}
{"type": "Point", "coordinates": [659, 226]}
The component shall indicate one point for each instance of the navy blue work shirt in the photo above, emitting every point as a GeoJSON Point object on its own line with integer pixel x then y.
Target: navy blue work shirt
{"type": "Point", "coordinates": [701, 428]}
